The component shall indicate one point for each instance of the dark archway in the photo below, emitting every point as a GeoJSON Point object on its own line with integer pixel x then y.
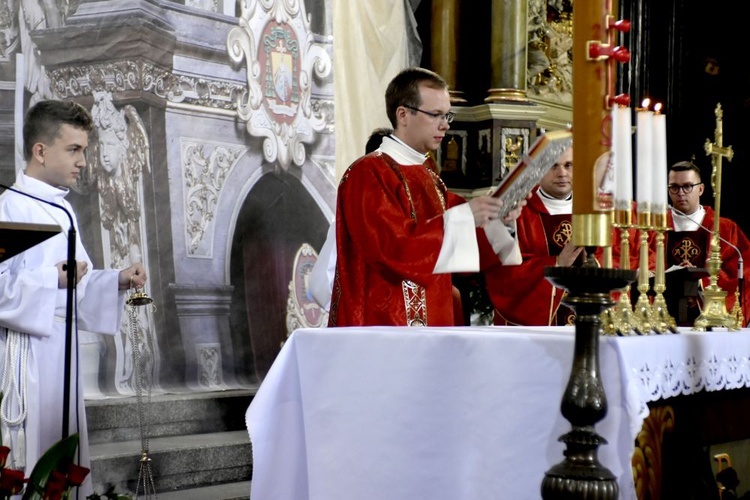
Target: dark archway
{"type": "Point", "coordinates": [276, 218]}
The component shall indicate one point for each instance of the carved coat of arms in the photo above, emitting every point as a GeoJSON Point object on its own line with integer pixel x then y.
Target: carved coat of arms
{"type": "Point", "coordinates": [275, 42]}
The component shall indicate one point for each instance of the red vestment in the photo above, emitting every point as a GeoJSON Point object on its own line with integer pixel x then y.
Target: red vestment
{"type": "Point", "coordinates": [389, 229]}
{"type": "Point", "coordinates": [521, 294]}
{"type": "Point", "coordinates": [695, 248]}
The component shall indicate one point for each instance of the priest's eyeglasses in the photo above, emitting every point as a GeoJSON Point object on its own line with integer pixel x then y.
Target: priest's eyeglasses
{"type": "Point", "coordinates": [686, 188]}
{"type": "Point", "coordinates": [448, 117]}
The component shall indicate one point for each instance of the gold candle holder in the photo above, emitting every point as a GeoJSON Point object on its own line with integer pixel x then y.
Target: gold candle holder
{"type": "Point", "coordinates": [620, 319]}
{"type": "Point", "coordinates": [661, 320]}
{"type": "Point", "coordinates": [642, 310]}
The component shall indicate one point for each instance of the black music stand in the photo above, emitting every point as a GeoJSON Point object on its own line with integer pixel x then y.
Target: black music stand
{"type": "Point", "coordinates": [682, 293]}
{"type": "Point", "coordinates": [683, 289]}
{"type": "Point", "coordinates": [17, 237]}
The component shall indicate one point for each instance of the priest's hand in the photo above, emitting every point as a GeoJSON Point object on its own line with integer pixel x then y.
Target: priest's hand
{"type": "Point", "coordinates": [485, 209]}
{"type": "Point", "coordinates": [515, 213]}
{"type": "Point", "coordinates": [62, 272]}
{"type": "Point", "coordinates": [132, 277]}
{"type": "Point", "coordinates": [568, 255]}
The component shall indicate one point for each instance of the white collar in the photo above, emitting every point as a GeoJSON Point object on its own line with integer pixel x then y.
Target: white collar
{"type": "Point", "coordinates": [401, 152]}
{"type": "Point", "coordinates": [688, 222]}
{"type": "Point", "coordinates": [555, 206]}
{"type": "Point", "coordinates": [41, 189]}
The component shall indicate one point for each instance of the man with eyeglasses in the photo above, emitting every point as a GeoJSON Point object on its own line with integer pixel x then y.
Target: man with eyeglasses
{"type": "Point", "coordinates": [689, 244]}
{"type": "Point", "coordinates": [399, 232]}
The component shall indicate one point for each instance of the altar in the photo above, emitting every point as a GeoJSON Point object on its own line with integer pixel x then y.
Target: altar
{"type": "Point", "coordinates": [458, 413]}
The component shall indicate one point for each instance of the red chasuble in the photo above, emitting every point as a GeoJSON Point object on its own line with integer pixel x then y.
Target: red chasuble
{"type": "Point", "coordinates": [521, 294]}
{"type": "Point", "coordinates": [389, 231]}
{"type": "Point", "coordinates": [694, 246]}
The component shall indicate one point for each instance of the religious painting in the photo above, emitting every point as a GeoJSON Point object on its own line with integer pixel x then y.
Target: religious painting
{"type": "Point", "coordinates": [604, 175]}
{"type": "Point", "coordinates": [279, 60]}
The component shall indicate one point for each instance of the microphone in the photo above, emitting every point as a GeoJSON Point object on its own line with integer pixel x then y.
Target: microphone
{"type": "Point", "coordinates": [740, 276]}
{"type": "Point", "coordinates": [70, 269]}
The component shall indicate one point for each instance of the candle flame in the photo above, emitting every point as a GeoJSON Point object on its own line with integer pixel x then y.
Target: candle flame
{"type": "Point", "coordinates": [646, 103]}
{"type": "Point", "coordinates": [657, 108]}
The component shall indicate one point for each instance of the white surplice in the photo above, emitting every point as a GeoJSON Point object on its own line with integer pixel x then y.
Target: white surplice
{"type": "Point", "coordinates": [32, 303]}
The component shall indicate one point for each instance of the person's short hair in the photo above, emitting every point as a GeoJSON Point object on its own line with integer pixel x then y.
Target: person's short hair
{"type": "Point", "coordinates": [404, 89]}
{"type": "Point", "coordinates": [43, 121]}
{"type": "Point", "coordinates": [683, 166]}
{"type": "Point", "coordinates": [376, 138]}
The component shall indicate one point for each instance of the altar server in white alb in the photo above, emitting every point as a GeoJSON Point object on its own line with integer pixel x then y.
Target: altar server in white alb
{"type": "Point", "coordinates": [33, 291]}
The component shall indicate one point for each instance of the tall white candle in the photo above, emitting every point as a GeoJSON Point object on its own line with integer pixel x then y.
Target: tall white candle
{"type": "Point", "coordinates": [659, 186]}
{"type": "Point", "coordinates": [623, 156]}
{"type": "Point", "coordinates": [644, 157]}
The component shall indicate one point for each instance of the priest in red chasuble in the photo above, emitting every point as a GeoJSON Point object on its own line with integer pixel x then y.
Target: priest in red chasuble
{"type": "Point", "coordinates": [399, 232]}
{"type": "Point", "coordinates": [688, 245]}
{"type": "Point", "coordinates": [521, 294]}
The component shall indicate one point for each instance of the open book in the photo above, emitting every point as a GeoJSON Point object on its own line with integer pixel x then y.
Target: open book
{"type": "Point", "coordinates": [541, 156]}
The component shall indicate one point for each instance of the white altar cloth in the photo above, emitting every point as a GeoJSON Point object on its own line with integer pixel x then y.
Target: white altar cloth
{"type": "Point", "coordinates": [457, 413]}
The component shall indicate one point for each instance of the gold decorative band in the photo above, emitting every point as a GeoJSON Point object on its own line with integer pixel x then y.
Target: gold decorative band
{"type": "Point", "coordinates": [592, 230]}
{"type": "Point", "coordinates": [624, 218]}
{"type": "Point", "coordinates": [659, 220]}
{"type": "Point", "coordinates": [644, 219]}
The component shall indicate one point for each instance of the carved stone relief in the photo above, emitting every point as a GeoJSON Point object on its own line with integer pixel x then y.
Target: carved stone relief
{"type": "Point", "coordinates": [209, 360]}
{"type": "Point", "coordinates": [205, 167]}
{"type": "Point", "coordinates": [119, 154]}
{"type": "Point", "coordinates": [142, 75]}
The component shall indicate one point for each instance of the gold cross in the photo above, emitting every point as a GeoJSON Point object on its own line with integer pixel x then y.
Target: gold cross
{"type": "Point", "coordinates": [718, 151]}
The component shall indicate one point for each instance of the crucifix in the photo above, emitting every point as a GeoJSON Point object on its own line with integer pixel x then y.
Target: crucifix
{"type": "Point", "coordinates": [714, 308]}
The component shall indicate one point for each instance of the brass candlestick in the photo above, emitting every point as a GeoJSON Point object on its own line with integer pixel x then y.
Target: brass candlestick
{"type": "Point", "coordinates": [643, 307]}
{"type": "Point", "coordinates": [620, 319]}
{"type": "Point", "coordinates": [661, 320]}
{"type": "Point", "coordinates": [584, 403]}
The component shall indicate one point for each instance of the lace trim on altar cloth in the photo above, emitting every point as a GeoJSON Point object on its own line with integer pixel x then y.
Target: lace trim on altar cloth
{"type": "Point", "coordinates": [671, 377]}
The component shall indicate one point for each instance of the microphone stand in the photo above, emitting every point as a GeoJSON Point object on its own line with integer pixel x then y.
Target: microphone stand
{"type": "Point", "coordinates": [71, 277]}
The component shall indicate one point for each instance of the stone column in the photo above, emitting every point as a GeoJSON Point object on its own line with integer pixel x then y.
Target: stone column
{"type": "Point", "coordinates": [444, 43]}
{"type": "Point", "coordinates": [508, 51]}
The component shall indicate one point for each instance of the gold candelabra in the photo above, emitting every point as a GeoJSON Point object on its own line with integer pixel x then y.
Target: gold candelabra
{"type": "Point", "coordinates": [642, 310]}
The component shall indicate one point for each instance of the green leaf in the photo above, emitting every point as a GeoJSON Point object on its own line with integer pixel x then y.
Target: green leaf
{"type": "Point", "coordinates": [57, 457]}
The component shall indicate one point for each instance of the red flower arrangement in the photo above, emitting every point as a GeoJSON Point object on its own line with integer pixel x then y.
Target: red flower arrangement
{"type": "Point", "coordinates": [53, 477]}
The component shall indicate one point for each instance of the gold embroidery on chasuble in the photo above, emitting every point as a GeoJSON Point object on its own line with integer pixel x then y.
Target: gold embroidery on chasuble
{"type": "Point", "coordinates": [686, 251]}
{"type": "Point", "coordinates": [415, 298]}
{"type": "Point", "coordinates": [558, 230]}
